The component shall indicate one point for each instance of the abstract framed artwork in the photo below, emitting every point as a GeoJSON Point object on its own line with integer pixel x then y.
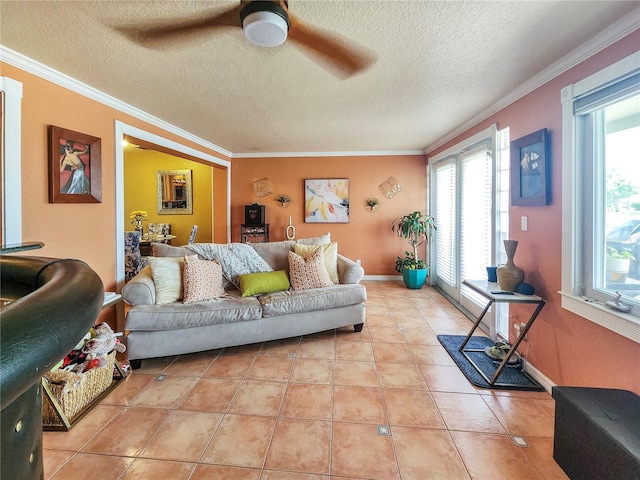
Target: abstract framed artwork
{"type": "Point", "coordinates": [75, 174]}
{"type": "Point", "coordinates": [326, 200]}
{"type": "Point", "coordinates": [530, 172]}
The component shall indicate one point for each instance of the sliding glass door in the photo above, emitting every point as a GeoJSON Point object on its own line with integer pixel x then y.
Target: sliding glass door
{"type": "Point", "coordinates": [465, 197]}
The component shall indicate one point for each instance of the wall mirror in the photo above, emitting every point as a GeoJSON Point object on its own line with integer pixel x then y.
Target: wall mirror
{"type": "Point", "coordinates": [174, 192]}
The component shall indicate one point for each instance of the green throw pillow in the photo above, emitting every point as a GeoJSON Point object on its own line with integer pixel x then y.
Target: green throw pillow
{"type": "Point", "coordinates": [263, 282]}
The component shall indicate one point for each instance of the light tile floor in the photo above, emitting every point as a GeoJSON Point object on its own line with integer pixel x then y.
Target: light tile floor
{"type": "Point", "coordinates": [308, 409]}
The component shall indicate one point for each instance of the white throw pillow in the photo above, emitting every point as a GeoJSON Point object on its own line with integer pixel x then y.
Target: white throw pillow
{"type": "Point", "coordinates": [167, 277]}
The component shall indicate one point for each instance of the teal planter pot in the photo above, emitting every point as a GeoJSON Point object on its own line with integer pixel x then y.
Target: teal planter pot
{"type": "Point", "coordinates": [414, 278]}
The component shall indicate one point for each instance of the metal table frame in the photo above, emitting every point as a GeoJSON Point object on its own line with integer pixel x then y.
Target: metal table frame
{"type": "Point", "coordinates": [485, 288]}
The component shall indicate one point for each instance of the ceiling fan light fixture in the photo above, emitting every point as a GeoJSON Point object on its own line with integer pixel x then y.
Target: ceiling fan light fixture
{"type": "Point", "coordinates": [265, 24]}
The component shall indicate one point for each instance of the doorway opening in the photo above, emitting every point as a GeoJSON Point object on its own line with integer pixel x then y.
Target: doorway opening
{"type": "Point", "coordinates": [222, 179]}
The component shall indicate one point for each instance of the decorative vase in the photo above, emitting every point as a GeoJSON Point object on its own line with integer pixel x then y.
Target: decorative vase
{"type": "Point", "coordinates": [138, 227]}
{"type": "Point", "coordinates": [290, 231]}
{"type": "Point", "coordinates": [509, 275]}
{"type": "Point", "coordinates": [414, 278]}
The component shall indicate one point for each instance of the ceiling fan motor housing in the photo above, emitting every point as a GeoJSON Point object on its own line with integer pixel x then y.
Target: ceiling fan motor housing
{"type": "Point", "coordinates": [264, 23]}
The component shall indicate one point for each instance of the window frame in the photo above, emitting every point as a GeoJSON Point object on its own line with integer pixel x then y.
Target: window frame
{"type": "Point", "coordinates": [573, 215]}
{"type": "Point", "coordinates": [461, 296]}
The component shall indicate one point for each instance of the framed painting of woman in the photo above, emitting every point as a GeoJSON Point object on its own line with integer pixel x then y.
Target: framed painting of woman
{"type": "Point", "coordinates": [75, 175]}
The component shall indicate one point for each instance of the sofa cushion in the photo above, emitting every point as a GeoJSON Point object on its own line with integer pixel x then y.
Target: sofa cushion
{"type": "Point", "coordinates": [235, 258]}
{"type": "Point", "coordinates": [228, 309]}
{"type": "Point", "coordinates": [263, 282]}
{"type": "Point", "coordinates": [167, 277]}
{"type": "Point", "coordinates": [202, 279]}
{"type": "Point", "coordinates": [310, 272]}
{"type": "Point", "coordinates": [330, 251]}
{"type": "Point", "coordinates": [321, 240]}
{"type": "Point", "coordinates": [164, 250]}
{"type": "Point", "coordinates": [276, 254]}
{"type": "Point", "coordinates": [292, 301]}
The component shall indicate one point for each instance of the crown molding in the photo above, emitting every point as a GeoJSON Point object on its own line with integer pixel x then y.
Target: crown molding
{"type": "Point", "coordinates": [599, 42]}
{"type": "Point", "coordinates": [47, 73]}
{"type": "Point", "coordinates": [602, 40]}
{"type": "Point", "coordinates": [328, 154]}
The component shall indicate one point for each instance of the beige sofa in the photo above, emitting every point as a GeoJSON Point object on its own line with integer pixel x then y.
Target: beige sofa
{"type": "Point", "coordinates": [157, 330]}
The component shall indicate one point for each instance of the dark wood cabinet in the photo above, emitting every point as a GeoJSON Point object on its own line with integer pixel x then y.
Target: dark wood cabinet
{"type": "Point", "coordinates": [254, 233]}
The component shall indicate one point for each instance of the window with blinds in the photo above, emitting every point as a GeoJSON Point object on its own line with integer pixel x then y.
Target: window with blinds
{"type": "Point", "coordinates": [445, 214]}
{"type": "Point", "coordinates": [464, 186]}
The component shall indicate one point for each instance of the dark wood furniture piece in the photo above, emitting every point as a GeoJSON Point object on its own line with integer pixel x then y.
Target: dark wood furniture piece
{"type": "Point", "coordinates": [254, 233]}
{"type": "Point", "coordinates": [145, 245]}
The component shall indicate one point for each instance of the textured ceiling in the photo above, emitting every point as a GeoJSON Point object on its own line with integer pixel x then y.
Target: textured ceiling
{"type": "Point", "coordinates": [438, 65]}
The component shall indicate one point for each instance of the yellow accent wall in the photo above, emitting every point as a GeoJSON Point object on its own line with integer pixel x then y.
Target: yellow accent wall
{"type": "Point", "coordinates": [140, 192]}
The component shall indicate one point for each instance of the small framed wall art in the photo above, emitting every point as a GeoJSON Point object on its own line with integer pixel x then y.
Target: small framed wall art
{"type": "Point", "coordinates": [326, 200]}
{"type": "Point", "coordinates": [75, 174]}
{"type": "Point", "coordinates": [530, 172]}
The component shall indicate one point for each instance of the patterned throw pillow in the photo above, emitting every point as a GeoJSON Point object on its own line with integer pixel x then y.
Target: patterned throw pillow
{"type": "Point", "coordinates": [307, 273]}
{"type": "Point", "coordinates": [202, 279]}
{"type": "Point", "coordinates": [167, 278]}
{"type": "Point", "coordinates": [330, 257]}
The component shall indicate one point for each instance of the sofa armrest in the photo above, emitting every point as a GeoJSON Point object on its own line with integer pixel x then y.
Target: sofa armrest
{"type": "Point", "coordinates": [140, 290]}
{"type": "Point", "coordinates": [349, 271]}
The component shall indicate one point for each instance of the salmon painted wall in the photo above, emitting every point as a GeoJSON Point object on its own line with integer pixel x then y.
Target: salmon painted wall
{"type": "Point", "coordinates": [82, 231]}
{"type": "Point", "coordinates": [140, 193]}
{"type": "Point", "coordinates": [568, 349]}
{"type": "Point", "coordinates": [368, 235]}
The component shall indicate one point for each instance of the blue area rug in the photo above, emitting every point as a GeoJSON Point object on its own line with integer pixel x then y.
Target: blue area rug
{"type": "Point", "coordinates": [511, 378]}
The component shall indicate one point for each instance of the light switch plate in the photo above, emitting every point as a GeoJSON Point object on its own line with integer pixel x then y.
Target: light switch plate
{"type": "Point", "coordinates": [524, 223]}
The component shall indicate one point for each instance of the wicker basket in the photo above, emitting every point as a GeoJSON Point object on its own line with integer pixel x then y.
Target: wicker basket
{"type": "Point", "coordinates": [74, 391]}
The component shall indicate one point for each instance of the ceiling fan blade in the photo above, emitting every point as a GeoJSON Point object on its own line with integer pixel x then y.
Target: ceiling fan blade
{"type": "Point", "coordinates": [154, 33]}
{"type": "Point", "coordinates": [342, 57]}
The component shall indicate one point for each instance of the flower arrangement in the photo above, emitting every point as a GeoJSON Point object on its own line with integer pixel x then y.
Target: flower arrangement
{"type": "Point", "coordinates": [138, 215]}
{"type": "Point", "coordinates": [136, 218]}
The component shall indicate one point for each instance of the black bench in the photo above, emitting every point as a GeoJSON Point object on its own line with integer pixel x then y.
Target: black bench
{"type": "Point", "coordinates": [597, 433]}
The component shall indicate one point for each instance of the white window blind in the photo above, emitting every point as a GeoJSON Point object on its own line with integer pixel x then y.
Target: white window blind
{"type": "Point", "coordinates": [476, 218]}
{"type": "Point", "coordinates": [445, 213]}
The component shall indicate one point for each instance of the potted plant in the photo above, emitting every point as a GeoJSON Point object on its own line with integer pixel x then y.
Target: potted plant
{"type": "Point", "coordinates": [372, 204]}
{"type": "Point", "coordinates": [618, 263]}
{"type": "Point", "coordinates": [283, 199]}
{"type": "Point", "coordinates": [415, 228]}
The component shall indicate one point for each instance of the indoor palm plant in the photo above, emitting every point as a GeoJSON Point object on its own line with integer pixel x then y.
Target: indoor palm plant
{"type": "Point", "coordinates": [415, 228]}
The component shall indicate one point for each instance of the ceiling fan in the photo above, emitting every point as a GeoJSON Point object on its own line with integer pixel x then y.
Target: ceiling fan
{"type": "Point", "coordinates": [265, 23]}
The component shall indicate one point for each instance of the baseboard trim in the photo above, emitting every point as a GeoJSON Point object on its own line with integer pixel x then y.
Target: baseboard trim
{"type": "Point", "coordinates": [539, 377]}
{"type": "Point", "coordinates": [381, 278]}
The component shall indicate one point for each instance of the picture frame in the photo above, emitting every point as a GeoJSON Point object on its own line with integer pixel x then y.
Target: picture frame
{"type": "Point", "coordinates": [75, 167]}
{"type": "Point", "coordinates": [326, 200]}
{"type": "Point", "coordinates": [175, 192]}
{"type": "Point", "coordinates": [530, 171]}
